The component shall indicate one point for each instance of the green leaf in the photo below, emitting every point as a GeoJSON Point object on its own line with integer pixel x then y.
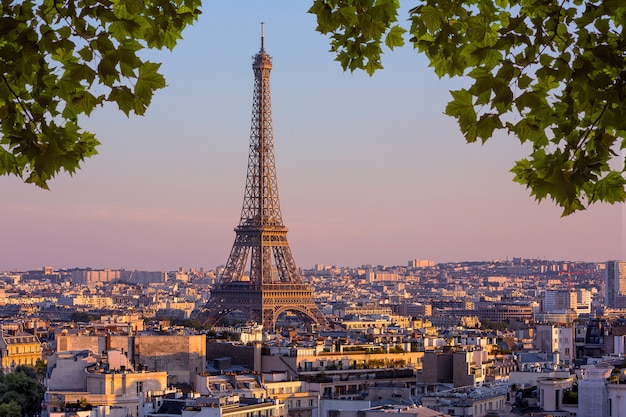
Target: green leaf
{"type": "Point", "coordinates": [462, 108]}
{"type": "Point", "coordinates": [432, 17]}
{"type": "Point", "coordinates": [394, 37]}
{"type": "Point", "coordinates": [107, 70]}
{"type": "Point", "coordinates": [488, 57]}
{"type": "Point", "coordinates": [86, 53]}
{"type": "Point", "coordinates": [9, 163]}
{"type": "Point", "coordinates": [372, 66]}
{"type": "Point", "coordinates": [503, 97]}
{"type": "Point", "coordinates": [611, 188]}
{"type": "Point", "coordinates": [486, 124]}
{"type": "Point", "coordinates": [124, 98]}
{"type": "Point", "coordinates": [148, 80]}
{"type": "Point", "coordinates": [348, 15]}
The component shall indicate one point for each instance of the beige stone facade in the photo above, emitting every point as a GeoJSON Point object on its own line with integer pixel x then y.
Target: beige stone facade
{"type": "Point", "coordinates": [181, 356]}
{"type": "Point", "coordinates": [18, 348]}
{"type": "Point", "coordinates": [85, 378]}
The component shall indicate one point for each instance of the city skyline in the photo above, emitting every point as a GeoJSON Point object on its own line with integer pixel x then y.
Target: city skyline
{"type": "Point", "coordinates": [369, 169]}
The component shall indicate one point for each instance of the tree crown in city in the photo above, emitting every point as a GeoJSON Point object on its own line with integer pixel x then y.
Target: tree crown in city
{"type": "Point", "coordinates": [551, 73]}
{"type": "Point", "coordinates": [61, 59]}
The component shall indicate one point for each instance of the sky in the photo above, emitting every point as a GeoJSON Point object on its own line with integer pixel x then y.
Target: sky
{"type": "Point", "coordinates": [370, 170]}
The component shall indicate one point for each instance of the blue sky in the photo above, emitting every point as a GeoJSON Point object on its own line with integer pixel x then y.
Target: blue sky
{"type": "Point", "coordinates": [369, 168]}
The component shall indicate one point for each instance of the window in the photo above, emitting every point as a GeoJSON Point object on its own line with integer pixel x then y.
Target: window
{"type": "Point", "coordinates": [139, 387]}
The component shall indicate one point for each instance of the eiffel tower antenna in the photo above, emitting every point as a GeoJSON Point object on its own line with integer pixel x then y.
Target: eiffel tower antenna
{"type": "Point", "coordinates": [274, 284]}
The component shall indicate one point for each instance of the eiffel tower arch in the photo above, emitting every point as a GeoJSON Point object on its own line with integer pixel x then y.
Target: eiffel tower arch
{"type": "Point", "coordinates": [273, 284]}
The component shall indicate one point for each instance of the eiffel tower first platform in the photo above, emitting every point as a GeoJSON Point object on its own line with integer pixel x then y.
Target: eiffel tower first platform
{"type": "Point", "coordinates": [274, 284]}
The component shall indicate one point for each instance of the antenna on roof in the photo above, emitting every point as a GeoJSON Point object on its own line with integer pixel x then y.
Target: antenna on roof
{"type": "Point", "coordinates": [262, 35]}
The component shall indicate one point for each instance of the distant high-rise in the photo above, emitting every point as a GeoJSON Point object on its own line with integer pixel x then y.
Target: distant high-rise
{"type": "Point", "coordinates": [616, 284]}
{"type": "Point", "coordinates": [420, 263]}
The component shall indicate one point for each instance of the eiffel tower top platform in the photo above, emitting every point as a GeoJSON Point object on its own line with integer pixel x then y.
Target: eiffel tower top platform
{"type": "Point", "coordinates": [261, 278]}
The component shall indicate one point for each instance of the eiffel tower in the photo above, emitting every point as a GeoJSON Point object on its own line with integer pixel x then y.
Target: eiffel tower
{"type": "Point", "coordinates": [274, 284]}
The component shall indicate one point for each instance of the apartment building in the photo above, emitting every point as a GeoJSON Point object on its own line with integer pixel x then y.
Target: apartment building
{"type": "Point", "coordinates": [556, 338]}
{"type": "Point", "coordinates": [108, 381]}
{"type": "Point", "coordinates": [182, 356]}
{"type": "Point", "coordinates": [18, 348]}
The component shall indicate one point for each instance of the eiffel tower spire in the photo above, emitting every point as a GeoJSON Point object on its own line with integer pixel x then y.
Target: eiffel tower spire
{"type": "Point", "coordinates": [274, 284]}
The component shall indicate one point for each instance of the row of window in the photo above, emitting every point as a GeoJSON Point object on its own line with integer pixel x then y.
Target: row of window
{"type": "Point", "coordinates": [264, 413]}
{"type": "Point", "coordinates": [24, 349]}
{"type": "Point", "coordinates": [284, 390]}
{"type": "Point", "coordinates": [27, 339]}
{"type": "Point", "coordinates": [298, 403]}
{"type": "Point", "coordinates": [20, 361]}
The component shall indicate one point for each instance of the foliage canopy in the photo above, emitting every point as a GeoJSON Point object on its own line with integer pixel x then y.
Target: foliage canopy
{"type": "Point", "coordinates": [550, 72]}
{"type": "Point", "coordinates": [21, 393]}
{"type": "Point", "coordinates": [61, 59]}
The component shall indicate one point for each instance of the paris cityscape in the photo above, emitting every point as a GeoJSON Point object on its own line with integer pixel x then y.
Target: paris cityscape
{"type": "Point", "coordinates": [262, 336]}
{"type": "Point", "coordinates": [506, 337]}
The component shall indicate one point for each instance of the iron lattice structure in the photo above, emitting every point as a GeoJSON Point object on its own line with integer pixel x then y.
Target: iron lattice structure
{"type": "Point", "coordinates": [274, 284]}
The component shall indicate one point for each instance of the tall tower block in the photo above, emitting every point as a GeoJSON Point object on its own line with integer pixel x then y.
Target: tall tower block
{"type": "Point", "coordinates": [615, 284]}
{"type": "Point", "coordinates": [261, 278]}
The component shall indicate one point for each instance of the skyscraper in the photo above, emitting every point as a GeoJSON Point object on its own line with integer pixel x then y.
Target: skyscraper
{"type": "Point", "coordinates": [615, 284]}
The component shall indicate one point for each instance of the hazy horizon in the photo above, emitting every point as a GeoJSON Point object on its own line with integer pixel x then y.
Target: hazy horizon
{"type": "Point", "coordinates": [305, 267]}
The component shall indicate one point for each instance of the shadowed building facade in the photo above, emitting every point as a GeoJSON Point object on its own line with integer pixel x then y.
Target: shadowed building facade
{"type": "Point", "coordinates": [616, 284]}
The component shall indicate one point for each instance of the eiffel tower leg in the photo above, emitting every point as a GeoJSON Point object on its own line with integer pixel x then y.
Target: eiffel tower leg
{"type": "Point", "coordinates": [269, 320]}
